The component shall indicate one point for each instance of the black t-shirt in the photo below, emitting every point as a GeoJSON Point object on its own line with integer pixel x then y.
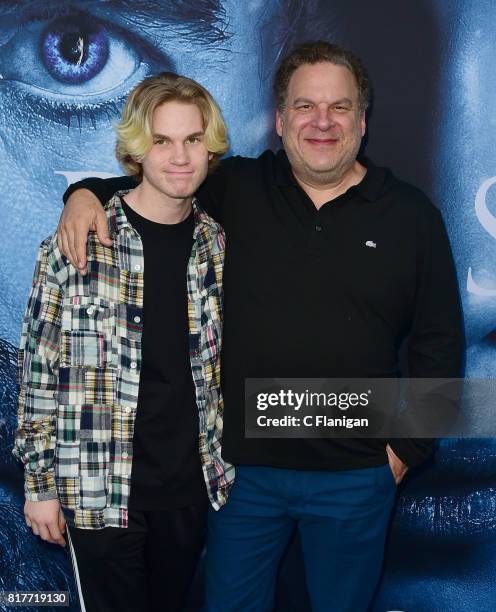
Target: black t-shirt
{"type": "Point", "coordinates": [305, 297]}
{"type": "Point", "coordinates": [166, 469]}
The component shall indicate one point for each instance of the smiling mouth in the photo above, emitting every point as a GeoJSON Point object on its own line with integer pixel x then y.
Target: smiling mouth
{"type": "Point", "coordinates": [323, 141]}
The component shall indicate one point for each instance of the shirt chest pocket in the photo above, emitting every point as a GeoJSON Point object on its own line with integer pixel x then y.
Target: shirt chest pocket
{"type": "Point", "coordinates": [88, 324]}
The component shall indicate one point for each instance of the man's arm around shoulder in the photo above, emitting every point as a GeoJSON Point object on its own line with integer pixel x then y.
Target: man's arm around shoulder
{"type": "Point", "coordinates": [84, 213]}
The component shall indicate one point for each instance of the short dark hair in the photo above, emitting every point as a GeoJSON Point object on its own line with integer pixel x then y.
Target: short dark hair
{"type": "Point", "coordinates": [316, 53]}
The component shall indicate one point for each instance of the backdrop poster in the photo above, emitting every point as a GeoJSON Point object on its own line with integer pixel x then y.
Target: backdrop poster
{"type": "Point", "coordinates": [431, 65]}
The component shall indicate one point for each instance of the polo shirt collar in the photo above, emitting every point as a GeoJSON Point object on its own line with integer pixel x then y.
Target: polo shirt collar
{"type": "Point", "coordinates": [370, 187]}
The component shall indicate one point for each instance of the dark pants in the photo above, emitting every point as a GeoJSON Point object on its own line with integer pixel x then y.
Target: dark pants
{"type": "Point", "coordinates": [342, 519]}
{"type": "Point", "coordinates": [149, 566]}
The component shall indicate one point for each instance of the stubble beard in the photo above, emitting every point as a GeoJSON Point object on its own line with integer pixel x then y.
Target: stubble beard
{"type": "Point", "coordinates": [335, 173]}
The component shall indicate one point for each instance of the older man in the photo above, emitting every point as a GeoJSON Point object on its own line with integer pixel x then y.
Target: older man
{"type": "Point", "coordinates": [308, 296]}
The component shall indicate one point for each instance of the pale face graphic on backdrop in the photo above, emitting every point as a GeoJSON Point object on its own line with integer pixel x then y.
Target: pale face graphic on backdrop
{"type": "Point", "coordinates": [446, 517]}
{"type": "Point", "coordinates": [66, 69]}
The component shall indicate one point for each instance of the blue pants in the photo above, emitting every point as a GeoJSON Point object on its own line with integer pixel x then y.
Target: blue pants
{"type": "Point", "coordinates": [342, 519]}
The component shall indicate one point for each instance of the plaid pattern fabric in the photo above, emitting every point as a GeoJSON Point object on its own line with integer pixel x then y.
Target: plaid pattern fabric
{"type": "Point", "coordinates": [79, 369]}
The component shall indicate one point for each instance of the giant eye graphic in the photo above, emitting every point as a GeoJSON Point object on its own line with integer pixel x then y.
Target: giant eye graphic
{"type": "Point", "coordinates": [74, 51]}
{"type": "Point", "coordinates": [74, 68]}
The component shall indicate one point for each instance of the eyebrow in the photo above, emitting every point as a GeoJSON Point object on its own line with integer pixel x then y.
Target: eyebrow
{"type": "Point", "coordinates": [307, 100]}
{"type": "Point", "coordinates": [193, 135]}
{"type": "Point", "coordinates": [204, 19]}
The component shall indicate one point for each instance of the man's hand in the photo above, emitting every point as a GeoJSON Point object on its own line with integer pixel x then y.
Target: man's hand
{"type": "Point", "coordinates": [82, 214]}
{"type": "Point", "coordinates": [397, 466]}
{"type": "Point", "coordinates": [46, 519]}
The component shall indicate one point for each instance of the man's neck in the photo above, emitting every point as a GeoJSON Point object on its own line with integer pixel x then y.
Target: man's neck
{"type": "Point", "coordinates": [320, 194]}
{"type": "Point", "coordinates": [155, 206]}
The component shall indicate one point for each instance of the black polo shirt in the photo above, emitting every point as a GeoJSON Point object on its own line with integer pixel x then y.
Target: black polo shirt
{"type": "Point", "coordinates": [327, 293]}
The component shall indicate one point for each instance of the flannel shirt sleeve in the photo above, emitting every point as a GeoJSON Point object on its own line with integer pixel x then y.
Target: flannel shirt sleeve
{"type": "Point", "coordinates": [217, 253]}
{"type": "Point", "coordinates": [37, 377]}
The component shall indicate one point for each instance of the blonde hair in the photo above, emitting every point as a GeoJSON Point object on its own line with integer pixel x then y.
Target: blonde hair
{"type": "Point", "coordinates": [134, 132]}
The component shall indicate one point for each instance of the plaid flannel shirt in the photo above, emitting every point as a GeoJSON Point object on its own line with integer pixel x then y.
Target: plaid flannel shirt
{"type": "Point", "coordinates": [79, 370]}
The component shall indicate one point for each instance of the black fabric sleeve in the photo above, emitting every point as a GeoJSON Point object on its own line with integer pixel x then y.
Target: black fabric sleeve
{"type": "Point", "coordinates": [104, 189]}
{"type": "Point", "coordinates": [212, 193]}
{"type": "Point", "coordinates": [436, 343]}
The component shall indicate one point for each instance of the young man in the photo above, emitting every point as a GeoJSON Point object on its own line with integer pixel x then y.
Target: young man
{"type": "Point", "coordinates": [120, 410]}
{"type": "Point", "coordinates": [307, 297]}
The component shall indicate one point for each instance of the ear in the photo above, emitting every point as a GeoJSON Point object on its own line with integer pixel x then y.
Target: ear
{"type": "Point", "coordinates": [210, 156]}
{"type": "Point", "coordinates": [279, 123]}
{"type": "Point", "coordinates": [363, 124]}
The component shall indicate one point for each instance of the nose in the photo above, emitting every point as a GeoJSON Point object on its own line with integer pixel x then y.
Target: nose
{"type": "Point", "coordinates": [323, 118]}
{"type": "Point", "coordinates": [180, 156]}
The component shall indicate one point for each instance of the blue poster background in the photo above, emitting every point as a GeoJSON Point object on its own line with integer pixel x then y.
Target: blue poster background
{"type": "Point", "coordinates": [431, 64]}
